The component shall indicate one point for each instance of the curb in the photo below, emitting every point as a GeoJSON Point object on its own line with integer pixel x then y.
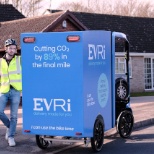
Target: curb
{"type": "Point", "coordinates": [143, 123]}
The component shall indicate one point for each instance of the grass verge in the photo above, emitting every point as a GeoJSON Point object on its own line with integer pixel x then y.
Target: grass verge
{"type": "Point", "coordinates": [142, 94]}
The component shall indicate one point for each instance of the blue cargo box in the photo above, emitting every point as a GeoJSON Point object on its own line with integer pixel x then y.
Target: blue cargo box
{"type": "Point", "coordinates": [68, 81]}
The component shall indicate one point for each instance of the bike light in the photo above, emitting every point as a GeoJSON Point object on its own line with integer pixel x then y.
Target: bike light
{"type": "Point", "coordinates": [73, 38]}
{"type": "Point", "coordinates": [27, 131]}
{"type": "Point", "coordinates": [78, 133]}
{"type": "Point", "coordinates": [29, 39]}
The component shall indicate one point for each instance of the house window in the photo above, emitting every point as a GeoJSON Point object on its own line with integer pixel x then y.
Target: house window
{"type": "Point", "coordinates": [120, 66]}
{"type": "Point", "coordinates": [149, 73]}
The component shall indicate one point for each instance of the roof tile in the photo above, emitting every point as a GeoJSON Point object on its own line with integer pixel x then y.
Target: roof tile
{"type": "Point", "coordinates": [140, 31]}
{"type": "Point", "coordinates": [34, 24]}
{"type": "Point", "coordinates": [8, 12]}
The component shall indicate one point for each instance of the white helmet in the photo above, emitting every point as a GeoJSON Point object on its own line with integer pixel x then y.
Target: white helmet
{"type": "Point", "coordinates": [10, 42]}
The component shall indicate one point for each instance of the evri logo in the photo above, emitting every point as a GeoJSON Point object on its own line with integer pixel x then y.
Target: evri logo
{"type": "Point", "coordinates": [41, 104]}
{"type": "Point", "coordinates": [96, 52]}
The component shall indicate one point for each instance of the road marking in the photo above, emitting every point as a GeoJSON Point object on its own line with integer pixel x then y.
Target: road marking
{"type": "Point", "coordinates": [68, 147]}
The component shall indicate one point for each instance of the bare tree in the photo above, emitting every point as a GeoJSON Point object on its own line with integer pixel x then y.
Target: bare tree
{"type": "Point", "coordinates": [4, 1]}
{"type": "Point", "coordinates": [27, 8]}
{"type": "Point", "coordinates": [133, 8]}
{"type": "Point", "coordinates": [145, 10]}
{"type": "Point", "coordinates": [116, 7]}
{"type": "Point", "coordinates": [74, 7]}
{"type": "Point", "coordinates": [125, 8]}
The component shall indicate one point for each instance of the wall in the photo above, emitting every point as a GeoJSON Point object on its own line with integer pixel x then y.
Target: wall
{"type": "Point", "coordinates": [137, 80]}
{"type": "Point", "coordinates": [60, 28]}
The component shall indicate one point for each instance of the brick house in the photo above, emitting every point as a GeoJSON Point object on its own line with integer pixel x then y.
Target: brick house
{"type": "Point", "coordinates": [138, 30]}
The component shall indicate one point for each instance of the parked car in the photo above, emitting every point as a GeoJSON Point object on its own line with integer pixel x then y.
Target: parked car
{"type": "Point", "coordinates": [121, 88]}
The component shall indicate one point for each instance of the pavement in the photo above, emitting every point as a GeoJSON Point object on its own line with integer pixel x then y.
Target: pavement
{"type": "Point", "coordinates": [143, 111]}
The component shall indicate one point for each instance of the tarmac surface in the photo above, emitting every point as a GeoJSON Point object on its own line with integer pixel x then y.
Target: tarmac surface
{"type": "Point", "coordinates": [143, 112]}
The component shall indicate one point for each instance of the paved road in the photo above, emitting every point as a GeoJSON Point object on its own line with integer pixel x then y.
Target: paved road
{"type": "Point", "coordinates": [140, 142]}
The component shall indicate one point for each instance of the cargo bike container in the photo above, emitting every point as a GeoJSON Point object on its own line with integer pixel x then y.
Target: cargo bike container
{"type": "Point", "coordinates": [69, 87]}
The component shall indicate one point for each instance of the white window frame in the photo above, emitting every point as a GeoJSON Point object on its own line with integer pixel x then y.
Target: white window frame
{"type": "Point", "coordinates": [151, 73]}
{"type": "Point", "coordinates": [130, 65]}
